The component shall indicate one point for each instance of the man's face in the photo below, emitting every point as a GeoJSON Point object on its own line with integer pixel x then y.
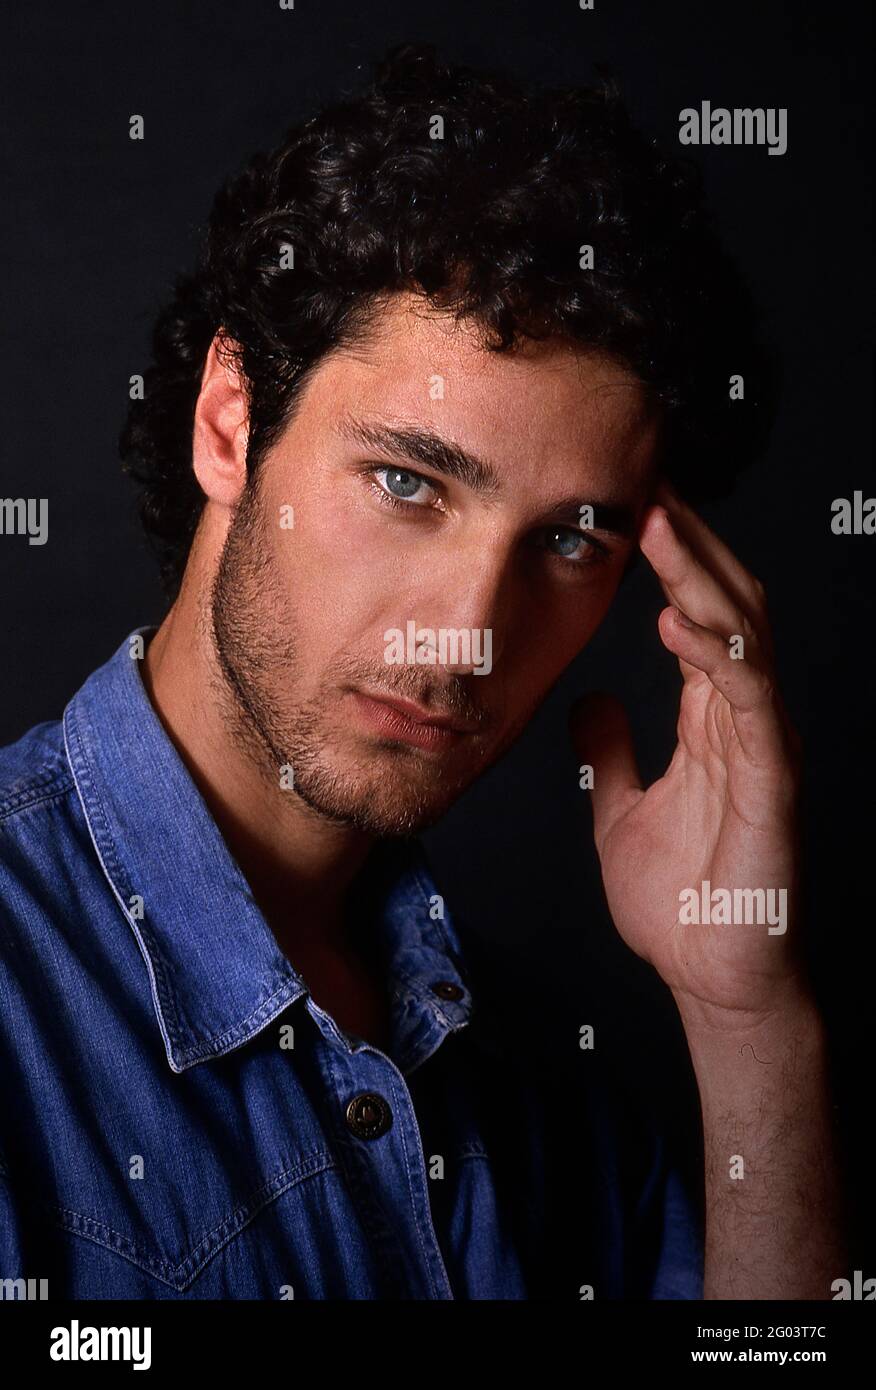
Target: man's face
{"type": "Point", "coordinates": [382, 536]}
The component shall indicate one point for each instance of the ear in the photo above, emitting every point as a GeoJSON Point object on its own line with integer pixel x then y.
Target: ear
{"type": "Point", "coordinates": [221, 427]}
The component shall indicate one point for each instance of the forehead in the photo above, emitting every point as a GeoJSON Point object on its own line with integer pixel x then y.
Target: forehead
{"type": "Point", "coordinates": [555, 404]}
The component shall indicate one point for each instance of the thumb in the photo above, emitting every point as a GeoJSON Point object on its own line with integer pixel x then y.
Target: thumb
{"type": "Point", "coordinates": [600, 732]}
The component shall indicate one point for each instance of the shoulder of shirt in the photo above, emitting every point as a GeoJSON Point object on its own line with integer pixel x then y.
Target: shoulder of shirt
{"type": "Point", "coordinates": [33, 770]}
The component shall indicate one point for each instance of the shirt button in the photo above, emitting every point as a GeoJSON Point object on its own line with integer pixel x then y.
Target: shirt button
{"type": "Point", "coordinates": [446, 989]}
{"type": "Point", "coordinates": [368, 1115]}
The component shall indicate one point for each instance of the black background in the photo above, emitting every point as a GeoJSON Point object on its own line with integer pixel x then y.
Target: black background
{"type": "Point", "coordinates": [96, 225]}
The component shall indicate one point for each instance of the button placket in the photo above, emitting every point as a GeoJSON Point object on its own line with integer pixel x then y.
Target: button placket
{"type": "Point", "coordinates": [368, 1109]}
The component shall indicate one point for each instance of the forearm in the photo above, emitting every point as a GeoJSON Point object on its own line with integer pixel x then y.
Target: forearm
{"type": "Point", "coordinates": [774, 1221]}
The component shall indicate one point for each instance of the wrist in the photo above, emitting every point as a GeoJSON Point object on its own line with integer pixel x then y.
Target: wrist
{"type": "Point", "coordinates": [791, 1005]}
{"type": "Point", "coordinates": [740, 1057]}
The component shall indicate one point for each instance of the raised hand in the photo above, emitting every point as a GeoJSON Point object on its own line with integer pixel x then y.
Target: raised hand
{"type": "Point", "coordinates": [725, 812]}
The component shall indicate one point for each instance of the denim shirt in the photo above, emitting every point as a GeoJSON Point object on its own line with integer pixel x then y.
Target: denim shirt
{"type": "Point", "coordinates": [180, 1119]}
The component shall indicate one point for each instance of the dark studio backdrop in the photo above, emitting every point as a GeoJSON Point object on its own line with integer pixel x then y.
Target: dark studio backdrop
{"type": "Point", "coordinates": [96, 225]}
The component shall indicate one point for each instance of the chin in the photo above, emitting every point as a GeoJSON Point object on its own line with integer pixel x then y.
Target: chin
{"type": "Point", "coordinates": [381, 818]}
{"type": "Point", "coordinates": [385, 804]}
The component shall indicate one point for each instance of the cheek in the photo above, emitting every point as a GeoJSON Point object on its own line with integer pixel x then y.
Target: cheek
{"type": "Point", "coordinates": [368, 563]}
{"type": "Point", "coordinates": [343, 583]}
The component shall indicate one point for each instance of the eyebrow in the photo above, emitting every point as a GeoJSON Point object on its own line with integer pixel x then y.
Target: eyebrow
{"type": "Point", "coordinates": [413, 442]}
{"type": "Point", "coordinates": [428, 448]}
{"type": "Point", "coordinates": [615, 518]}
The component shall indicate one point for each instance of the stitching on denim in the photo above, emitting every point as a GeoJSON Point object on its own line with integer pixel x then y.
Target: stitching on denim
{"type": "Point", "coordinates": [24, 801]}
{"type": "Point", "coordinates": [240, 1218]}
{"type": "Point", "coordinates": [109, 861]}
{"type": "Point", "coordinates": [426, 1255]}
{"type": "Point", "coordinates": [206, 1047]}
{"type": "Point", "coordinates": [89, 1228]}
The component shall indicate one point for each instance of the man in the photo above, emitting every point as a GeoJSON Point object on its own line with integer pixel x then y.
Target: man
{"type": "Point", "coordinates": [447, 350]}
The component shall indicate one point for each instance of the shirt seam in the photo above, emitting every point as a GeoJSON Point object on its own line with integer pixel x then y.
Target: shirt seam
{"type": "Point", "coordinates": [37, 794]}
{"type": "Point", "coordinates": [89, 792]}
{"type": "Point", "coordinates": [193, 1264]}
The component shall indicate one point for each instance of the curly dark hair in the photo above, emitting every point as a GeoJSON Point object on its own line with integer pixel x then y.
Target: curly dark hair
{"type": "Point", "coordinates": [486, 222]}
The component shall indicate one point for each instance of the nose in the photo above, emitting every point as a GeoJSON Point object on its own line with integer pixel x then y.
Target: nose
{"type": "Point", "coordinates": [467, 608]}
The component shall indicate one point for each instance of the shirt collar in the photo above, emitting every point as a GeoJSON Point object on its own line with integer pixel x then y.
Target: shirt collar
{"type": "Point", "coordinates": [216, 972]}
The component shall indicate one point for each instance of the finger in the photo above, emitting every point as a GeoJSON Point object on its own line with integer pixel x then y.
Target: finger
{"type": "Point", "coordinates": [715, 555]}
{"type": "Point", "coordinates": [600, 732]}
{"type": "Point", "coordinates": [684, 580]}
{"type": "Point", "coordinates": [747, 688]}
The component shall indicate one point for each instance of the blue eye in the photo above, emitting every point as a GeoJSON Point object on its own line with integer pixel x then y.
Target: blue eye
{"type": "Point", "coordinates": [570, 544]}
{"type": "Point", "coordinates": [566, 542]}
{"type": "Point", "coordinates": [402, 485]}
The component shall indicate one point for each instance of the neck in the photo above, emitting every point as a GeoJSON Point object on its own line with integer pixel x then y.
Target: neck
{"type": "Point", "coordinates": [298, 865]}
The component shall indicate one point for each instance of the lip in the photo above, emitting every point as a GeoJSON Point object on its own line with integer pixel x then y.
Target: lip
{"type": "Point", "coordinates": [408, 722]}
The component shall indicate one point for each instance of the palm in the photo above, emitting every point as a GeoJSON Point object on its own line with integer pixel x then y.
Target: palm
{"type": "Point", "coordinates": [723, 814]}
